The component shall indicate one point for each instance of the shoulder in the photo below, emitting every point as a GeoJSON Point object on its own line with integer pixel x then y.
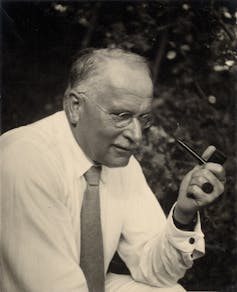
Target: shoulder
{"type": "Point", "coordinates": [37, 133]}
{"type": "Point", "coordinates": [29, 171]}
{"type": "Point", "coordinates": [41, 135]}
{"type": "Point", "coordinates": [29, 151]}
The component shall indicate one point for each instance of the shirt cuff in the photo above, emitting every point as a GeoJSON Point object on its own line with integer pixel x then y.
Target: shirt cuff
{"type": "Point", "coordinates": [190, 242]}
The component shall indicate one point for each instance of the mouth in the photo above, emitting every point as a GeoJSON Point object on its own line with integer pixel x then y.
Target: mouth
{"type": "Point", "coordinates": [122, 149]}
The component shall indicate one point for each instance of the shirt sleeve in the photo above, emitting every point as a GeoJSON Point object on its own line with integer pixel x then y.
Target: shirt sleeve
{"type": "Point", "coordinates": [155, 251]}
{"type": "Point", "coordinates": [38, 250]}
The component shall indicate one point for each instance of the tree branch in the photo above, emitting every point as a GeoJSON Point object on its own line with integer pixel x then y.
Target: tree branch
{"type": "Point", "coordinates": [200, 90]}
{"type": "Point", "coordinates": [223, 25]}
{"type": "Point", "coordinates": [87, 38]}
{"type": "Point", "coordinates": [160, 54]}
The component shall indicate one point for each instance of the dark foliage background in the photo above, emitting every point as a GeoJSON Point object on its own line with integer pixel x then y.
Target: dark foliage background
{"type": "Point", "coordinates": [192, 49]}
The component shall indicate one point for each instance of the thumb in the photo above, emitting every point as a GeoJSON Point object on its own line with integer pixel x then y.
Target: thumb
{"type": "Point", "coordinates": [208, 152]}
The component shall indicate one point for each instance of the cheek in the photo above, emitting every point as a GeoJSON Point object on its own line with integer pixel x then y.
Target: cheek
{"type": "Point", "coordinates": [105, 129]}
{"type": "Point", "coordinates": [100, 129]}
{"type": "Point", "coordinates": [108, 135]}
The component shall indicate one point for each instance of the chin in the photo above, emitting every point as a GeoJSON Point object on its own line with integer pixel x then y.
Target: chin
{"type": "Point", "coordinates": [119, 162]}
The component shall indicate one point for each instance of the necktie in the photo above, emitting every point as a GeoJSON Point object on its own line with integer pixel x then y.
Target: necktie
{"type": "Point", "coordinates": [92, 256]}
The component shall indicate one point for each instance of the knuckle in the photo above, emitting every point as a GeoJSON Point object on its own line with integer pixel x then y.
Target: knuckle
{"type": "Point", "coordinates": [222, 188]}
{"type": "Point", "coordinates": [194, 188]}
{"type": "Point", "coordinates": [201, 180]}
{"type": "Point", "coordinates": [205, 172]}
{"type": "Point", "coordinates": [220, 168]}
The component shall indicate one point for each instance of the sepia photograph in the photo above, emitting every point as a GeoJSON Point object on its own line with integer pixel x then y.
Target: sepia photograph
{"type": "Point", "coordinates": [118, 146]}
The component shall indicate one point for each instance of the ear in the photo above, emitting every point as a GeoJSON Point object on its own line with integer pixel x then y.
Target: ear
{"type": "Point", "coordinates": [73, 104]}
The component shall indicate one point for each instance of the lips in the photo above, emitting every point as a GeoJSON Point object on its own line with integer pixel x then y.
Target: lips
{"type": "Point", "coordinates": [125, 149]}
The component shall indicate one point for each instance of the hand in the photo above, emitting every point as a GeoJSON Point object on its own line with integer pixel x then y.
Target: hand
{"type": "Point", "coordinates": [213, 173]}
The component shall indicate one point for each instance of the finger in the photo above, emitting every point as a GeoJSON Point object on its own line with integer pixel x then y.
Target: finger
{"type": "Point", "coordinates": [217, 169]}
{"type": "Point", "coordinates": [198, 181]}
{"type": "Point", "coordinates": [204, 175]}
{"type": "Point", "coordinates": [201, 197]}
{"type": "Point", "coordinates": [202, 183]}
{"type": "Point", "coordinates": [213, 168]}
{"type": "Point", "coordinates": [196, 169]}
{"type": "Point", "coordinates": [196, 193]}
{"type": "Point", "coordinates": [208, 152]}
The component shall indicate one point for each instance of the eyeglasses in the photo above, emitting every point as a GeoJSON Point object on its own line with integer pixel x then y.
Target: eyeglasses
{"type": "Point", "coordinates": [122, 119]}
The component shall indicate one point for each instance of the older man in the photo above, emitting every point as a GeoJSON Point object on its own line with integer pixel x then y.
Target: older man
{"type": "Point", "coordinates": [72, 192]}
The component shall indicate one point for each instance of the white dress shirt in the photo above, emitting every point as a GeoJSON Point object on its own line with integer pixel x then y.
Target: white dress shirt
{"type": "Point", "coordinates": [42, 187]}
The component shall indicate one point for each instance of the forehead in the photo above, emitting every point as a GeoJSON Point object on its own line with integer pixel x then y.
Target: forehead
{"type": "Point", "coordinates": [126, 85]}
{"type": "Point", "coordinates": [131, 77]}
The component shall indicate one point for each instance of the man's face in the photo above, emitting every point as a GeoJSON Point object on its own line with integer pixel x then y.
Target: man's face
{"type": "Point", "coordinates": [121, 90]}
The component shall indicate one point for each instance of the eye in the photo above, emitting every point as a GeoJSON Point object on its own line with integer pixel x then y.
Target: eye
{"type": "Point", "coordinates": [124, 116]}
{"type": "Point", "coordinates": [146, 120]}
{"type": "Point", "coordinates": [145, 117]}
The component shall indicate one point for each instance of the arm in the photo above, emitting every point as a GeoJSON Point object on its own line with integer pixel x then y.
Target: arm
{"type": "Point", "coordinates": [155, 251]}
{"type": "Point", "coordinates": [38, 251]}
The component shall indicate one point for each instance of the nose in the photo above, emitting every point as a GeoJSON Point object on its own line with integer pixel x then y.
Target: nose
{"type": "Point", "coordinates": [134, 131]}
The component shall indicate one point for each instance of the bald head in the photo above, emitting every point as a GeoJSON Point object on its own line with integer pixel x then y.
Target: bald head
{"type": "Point", "coordinates": [90, 65]}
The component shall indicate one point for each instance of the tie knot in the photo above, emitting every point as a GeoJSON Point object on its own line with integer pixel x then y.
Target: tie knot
{"type": "Point", "coordinates": [92, 175]}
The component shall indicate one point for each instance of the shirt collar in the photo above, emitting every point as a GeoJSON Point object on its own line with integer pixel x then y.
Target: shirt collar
{"type": "Point", "coordinates": [69, 146]}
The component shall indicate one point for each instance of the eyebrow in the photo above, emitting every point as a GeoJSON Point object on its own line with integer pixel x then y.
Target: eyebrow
{"type": "Point", "coordinates": [122, 110]}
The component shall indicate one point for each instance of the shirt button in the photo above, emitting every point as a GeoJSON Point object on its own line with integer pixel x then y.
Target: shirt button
{"type": "Point", "coordinates": [191, 240]}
